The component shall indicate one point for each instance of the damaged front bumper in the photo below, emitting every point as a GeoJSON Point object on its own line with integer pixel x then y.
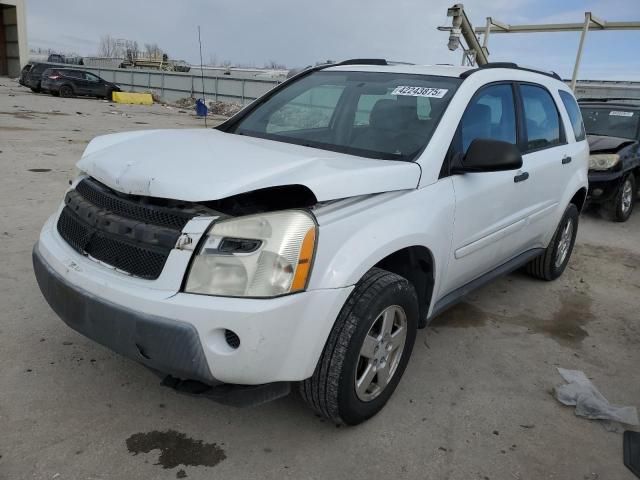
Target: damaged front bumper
{"type": "Point", "coordinates": [183, 335]}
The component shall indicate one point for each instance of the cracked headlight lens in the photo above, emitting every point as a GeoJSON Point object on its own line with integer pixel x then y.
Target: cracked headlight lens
{"type": "Point", "coordinates": [603, 161]}
{"type": "Point", "coordinates": [262, 255]}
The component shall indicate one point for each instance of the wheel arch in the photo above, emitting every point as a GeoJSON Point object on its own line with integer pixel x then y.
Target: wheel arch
{"type": "Point", "coordinates": [416, 264]}
{"type": "Point", "coordinates": [579, 198]}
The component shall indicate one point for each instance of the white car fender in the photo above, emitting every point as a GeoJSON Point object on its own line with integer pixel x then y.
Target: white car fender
{"type": "Point", "coordinates": [354, 238]}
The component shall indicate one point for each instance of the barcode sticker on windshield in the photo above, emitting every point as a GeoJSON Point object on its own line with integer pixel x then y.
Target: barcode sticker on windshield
{"type": "Point", "coordinates": [420, 92]}
{"type": "Point", "coordinates": [617, 113]}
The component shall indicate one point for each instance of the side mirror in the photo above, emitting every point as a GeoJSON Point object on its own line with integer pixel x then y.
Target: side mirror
{"type": "Point", "coordinates": [485, 155]}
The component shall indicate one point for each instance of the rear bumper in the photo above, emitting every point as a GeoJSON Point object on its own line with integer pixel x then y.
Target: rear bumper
{"type": "Point", "coordinates": [161, 344]}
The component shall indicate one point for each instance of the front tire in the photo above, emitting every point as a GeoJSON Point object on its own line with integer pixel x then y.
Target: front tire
{"type": "Point", "coordinates": [620, 207]}
{"type": "Point", "coordinates": [552, 263]}
{"type": "Point", "coordinates": [367, 350]}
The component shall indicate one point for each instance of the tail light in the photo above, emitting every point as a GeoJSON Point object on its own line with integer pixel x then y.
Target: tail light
{"type": "Point", "coordinates": [54, 77]}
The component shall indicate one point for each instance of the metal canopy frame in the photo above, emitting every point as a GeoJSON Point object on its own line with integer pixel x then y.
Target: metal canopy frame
{"type": "Point", "coordinates": [480, 53]}
{"type": "Point", "coordinates": [590, 22]}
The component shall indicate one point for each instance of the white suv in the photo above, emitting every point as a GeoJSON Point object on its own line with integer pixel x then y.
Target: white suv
{"type": "Point", "coordinates": [307, 238]}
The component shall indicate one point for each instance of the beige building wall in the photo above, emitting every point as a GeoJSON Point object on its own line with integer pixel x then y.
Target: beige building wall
{"type": "Point", "coordinates": [14, 50]}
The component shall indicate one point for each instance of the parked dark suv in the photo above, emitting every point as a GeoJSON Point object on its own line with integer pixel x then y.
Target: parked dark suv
{"type": "Point", "coordinates": [68, 82]}
{"type": "Point", "coordinates": [613, 131]}
{"type": "Point", "coordinates": [31, 75]}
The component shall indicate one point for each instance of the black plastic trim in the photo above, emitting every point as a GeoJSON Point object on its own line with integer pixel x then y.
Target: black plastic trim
{"type": "Point", "coordinates": [228, 394]}
{"type": "Point", "coordinates": [510, 66]}
{"type": "Point", "coordinates": [457, 295]}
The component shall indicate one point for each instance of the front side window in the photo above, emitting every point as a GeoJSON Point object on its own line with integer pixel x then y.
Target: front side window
{"type": "Point", "coordinates": [490, 115]}
{"type": "Point", "coordinates": [371, 114]}
{"type": "Point", "coordinates": [611, 121]}
{"type": "Point", "coordinates": [574, 115]}
{"type": "Point", "coordinates": [541, 118]}
{"type": "Point", "coordinates": [91, 77]}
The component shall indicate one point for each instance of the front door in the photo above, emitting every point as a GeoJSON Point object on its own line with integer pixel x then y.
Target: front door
{"type": "Point", "coordinates": [94, 85]}
{"type": "Point", "coordinates": [489, 205]}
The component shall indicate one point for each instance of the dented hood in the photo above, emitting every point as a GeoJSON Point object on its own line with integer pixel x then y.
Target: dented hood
{"type": "Point", "coordinates": [206, 164]}
{"type": "Point", "coordinates": [598, 143]}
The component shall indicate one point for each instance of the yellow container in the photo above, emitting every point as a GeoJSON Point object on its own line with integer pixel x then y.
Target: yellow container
{"type": "Point", "coordinates": [133, 98]}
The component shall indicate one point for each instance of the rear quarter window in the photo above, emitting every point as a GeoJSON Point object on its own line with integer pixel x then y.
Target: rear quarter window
{"type": "Point", "coordinates": [574, 115]}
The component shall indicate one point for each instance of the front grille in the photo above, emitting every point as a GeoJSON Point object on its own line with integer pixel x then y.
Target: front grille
{"type": "Point", "coordinates": [126, 232]}
{"type": "Point", "coordinates": [133, 208]}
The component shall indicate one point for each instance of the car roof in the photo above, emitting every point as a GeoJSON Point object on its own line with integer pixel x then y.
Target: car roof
{"type": "Point", "coordinates": [461, 72]}
{"type": "Point", "coordinates": [437, 70]}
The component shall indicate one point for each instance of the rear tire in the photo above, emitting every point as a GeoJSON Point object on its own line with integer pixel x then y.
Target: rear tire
{"type": "Point", "coordinates": [552, 263]}
{"type": "Point", "coordinates": [620, 207]}
{"type": "Point", "coordinates": [66, 91]}
{"type": "Point", "coordinates": [367, 350]}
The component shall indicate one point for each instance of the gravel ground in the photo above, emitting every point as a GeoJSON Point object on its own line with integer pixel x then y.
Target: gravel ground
{"type": "Point", "coordinates": [474, 403]}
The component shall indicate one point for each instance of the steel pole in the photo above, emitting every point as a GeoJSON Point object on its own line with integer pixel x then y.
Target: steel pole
{"type": "Point", "coordinates": [576, 67]}
{"type": "Point", "coordinates": [487, 31]}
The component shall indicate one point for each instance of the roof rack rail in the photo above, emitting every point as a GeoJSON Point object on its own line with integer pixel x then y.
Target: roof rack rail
{"type": "Point", "coordinates": [510, 65]}
{"type": "Point", "coordinates": [363, 61]}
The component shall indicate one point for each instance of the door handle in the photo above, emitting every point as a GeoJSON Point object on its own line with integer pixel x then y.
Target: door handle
{"type": "Point", "coordinates": [521, 177]}
{"type": "Point", "coordinates": [566, 160]}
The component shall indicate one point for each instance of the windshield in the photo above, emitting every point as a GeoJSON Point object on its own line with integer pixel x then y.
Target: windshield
{"type": "Point", "coordinates": [371, 114]}
{"type": "Point", "coordinates": [611, 121]}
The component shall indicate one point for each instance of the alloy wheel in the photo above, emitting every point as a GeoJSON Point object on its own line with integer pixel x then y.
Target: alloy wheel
{"type": "Point", "coordinates": [565, 243]}
{"type": "Point", "coordinates": [380, 353]}
{"type": "Point", "coordinates": [627, 196]}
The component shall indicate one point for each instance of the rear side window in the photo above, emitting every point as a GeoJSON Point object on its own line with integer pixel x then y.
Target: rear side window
{"type": "Point", "coordinates": [541, 117]}
{"type": "Point", "coordinates": [574, 115]}
{"type": "Point", "coordinates": [490, 115]}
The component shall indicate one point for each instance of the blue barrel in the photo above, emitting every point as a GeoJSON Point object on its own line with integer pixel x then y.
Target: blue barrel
{"type": "Point", "coordinates": [201, 108]}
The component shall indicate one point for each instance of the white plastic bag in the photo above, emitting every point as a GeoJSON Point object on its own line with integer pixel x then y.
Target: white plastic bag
{"type": "Point", "coordinates": [589, 402]}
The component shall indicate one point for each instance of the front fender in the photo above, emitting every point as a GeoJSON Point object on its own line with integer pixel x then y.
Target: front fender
{"type": "Point", "coordinates": [355, 235]}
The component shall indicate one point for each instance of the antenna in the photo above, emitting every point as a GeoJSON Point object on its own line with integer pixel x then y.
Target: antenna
{"type": "Point", "coordinates": [202, 77]}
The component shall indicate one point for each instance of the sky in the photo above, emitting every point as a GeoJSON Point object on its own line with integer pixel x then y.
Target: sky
{"type": "Point", "coordinates": [302, 32]}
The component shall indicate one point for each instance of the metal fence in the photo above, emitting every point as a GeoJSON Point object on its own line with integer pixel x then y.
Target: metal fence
{"type": "Point", "coordinates": [172, 86]}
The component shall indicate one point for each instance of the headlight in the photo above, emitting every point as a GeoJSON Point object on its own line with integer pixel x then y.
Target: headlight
{"type": "Point", "coordinates": [603, 161]}
{"type": "Point", "coordinates": [261, 255]}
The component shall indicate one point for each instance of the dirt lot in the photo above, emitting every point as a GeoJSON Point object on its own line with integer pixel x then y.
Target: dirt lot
{"type": "Point", "coordinates": [475, 401]}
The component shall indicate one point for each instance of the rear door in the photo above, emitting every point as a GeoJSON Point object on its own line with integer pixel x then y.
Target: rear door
{"type": "Point", "coordinates": [546, 160]}
{"type": "Point", "coordinates": [76, 79]}
{"type": "Point", "coordinates": [489, 205]}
